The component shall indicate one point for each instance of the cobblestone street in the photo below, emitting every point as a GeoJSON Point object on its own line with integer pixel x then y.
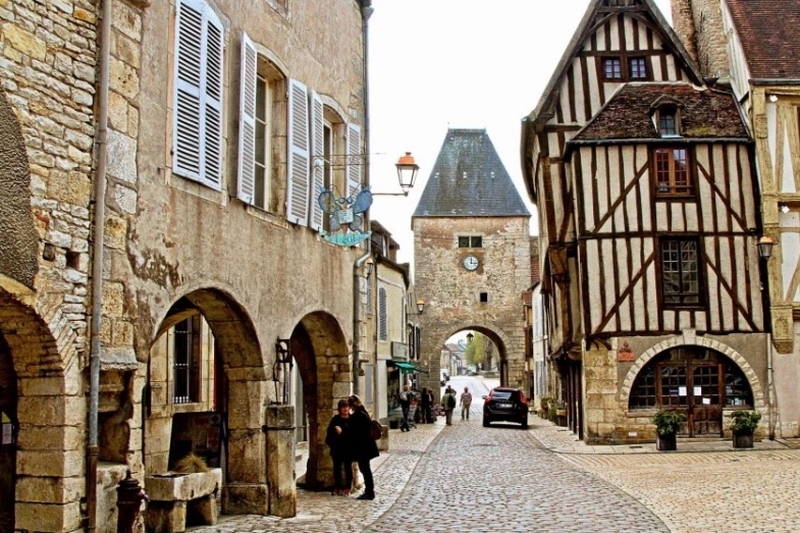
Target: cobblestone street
{"type": "Point", "coordinates": [470, 478]}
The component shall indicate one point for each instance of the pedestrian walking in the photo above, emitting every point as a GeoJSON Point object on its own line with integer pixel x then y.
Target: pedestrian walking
{"type": "Point", "coordinates": [449, 404]}
{"type": "Point", "coordinates": [466, 401]}
{"type": "Point", "coordinates": [337, 439]}
{"type": "Point", "coordinates": [362, 446]}
{"type": "Point", "coordinates": [405, 405]}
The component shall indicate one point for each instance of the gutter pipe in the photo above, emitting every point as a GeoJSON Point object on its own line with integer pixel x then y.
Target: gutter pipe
{"type": "Point", "coordinates": [101, 148]}
{"type": "Point", "coordinates": [366, 13]}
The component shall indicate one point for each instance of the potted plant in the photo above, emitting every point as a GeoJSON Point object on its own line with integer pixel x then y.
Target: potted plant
{"type": "Point", "coordinates": [561, 414]}
{"type": "Point", "coordinates": [667, 425]}
{"type": "Point", "coordinates": [743, 425]}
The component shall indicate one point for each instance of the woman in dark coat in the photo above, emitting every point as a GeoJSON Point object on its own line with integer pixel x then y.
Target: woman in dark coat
{"type": "Point", "coordinates": [338, 439]}
{"type": "Point", "coordinates": [362, 446]}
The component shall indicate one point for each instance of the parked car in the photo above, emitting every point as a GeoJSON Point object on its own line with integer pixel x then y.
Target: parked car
{"type": "Point", "coordinates": [505, 404]}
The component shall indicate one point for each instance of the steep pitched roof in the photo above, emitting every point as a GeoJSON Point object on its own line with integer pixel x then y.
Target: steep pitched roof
{"type": "Point", "coordinates": [768, 31]}
{"type": "Point", "coordinates": [597, 9]}
{"type": "Point", "coordinates": [469, 180]}
{"type": "Point", "coordinates": [704, 113]}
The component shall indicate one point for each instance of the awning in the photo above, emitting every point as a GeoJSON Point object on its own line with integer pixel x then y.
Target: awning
{"type": "Point", "coordinates": [404, 366]}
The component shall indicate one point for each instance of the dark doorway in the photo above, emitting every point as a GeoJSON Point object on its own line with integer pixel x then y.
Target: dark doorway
{"type": "Point", "coordinates": [8, 437]}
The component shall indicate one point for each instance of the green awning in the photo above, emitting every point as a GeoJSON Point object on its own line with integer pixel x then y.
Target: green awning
{"type": "Point", "coordinates": [404, 366]}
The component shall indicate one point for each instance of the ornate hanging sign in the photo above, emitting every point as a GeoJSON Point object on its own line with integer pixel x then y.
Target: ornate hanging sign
{"type": "Point", "coordinates": [345, 220]}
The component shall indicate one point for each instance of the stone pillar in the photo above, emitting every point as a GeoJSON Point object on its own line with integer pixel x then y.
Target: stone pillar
{"type": "Point", "coordinates": [280, 461]}
{"type": "Point", "coordinates": [246, 488]}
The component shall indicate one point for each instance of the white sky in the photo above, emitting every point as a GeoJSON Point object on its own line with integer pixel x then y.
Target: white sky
{"type": "Point", "coordinates": [439, 64]}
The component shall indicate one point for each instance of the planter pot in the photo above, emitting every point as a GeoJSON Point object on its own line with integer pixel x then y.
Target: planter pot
{"type": "Point", "coordinates": [742, 439]}
{"type": "Point", "coordinates": [666, 442]}
{"type": "Point", "coordinates": [561, 419]}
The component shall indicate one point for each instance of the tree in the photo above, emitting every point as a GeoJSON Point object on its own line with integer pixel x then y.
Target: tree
{"type": "Point", "coordinates": [475, 354]}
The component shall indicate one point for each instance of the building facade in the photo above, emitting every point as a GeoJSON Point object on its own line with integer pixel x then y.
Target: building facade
{"type": "Point", "coordinates": [163, 267]}
{"type": "Point", "coordinates": [472, 254]}
{"type": "Point", "coordinates": [765, 77]}
{"type": "Point", "coordinates": [646, 189]}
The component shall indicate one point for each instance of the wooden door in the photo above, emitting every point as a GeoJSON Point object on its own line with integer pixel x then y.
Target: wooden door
{"type": "Point", "coordinates": [705, 411]}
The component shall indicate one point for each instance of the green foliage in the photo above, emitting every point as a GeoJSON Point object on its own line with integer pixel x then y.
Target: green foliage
{"type": "Point", "coordinates": [475, 353]}
{"type": "Point", "coordinates": [744, 421]}
{"type": "Point", "coordinates": [668, 422]}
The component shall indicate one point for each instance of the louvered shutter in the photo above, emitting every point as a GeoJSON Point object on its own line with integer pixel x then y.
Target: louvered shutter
{"type": "Point", "coordinates": [247, 122]}
{"type": "Point", "coordinates": [197, 135]}
{"type": "Point", "coordinates": [383, 328]}
{"type": "Point", "coordinates": [298, 158]}
{"type": "Point", "coordinates": [354, 159]}
{"type": "Point", "coordinates": [317, 165]}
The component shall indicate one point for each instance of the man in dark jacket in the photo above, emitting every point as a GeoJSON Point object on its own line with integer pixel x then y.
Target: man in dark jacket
{"type": "Point", "coordinates": [338, 439]}
{"type": "Point", "coordinates": [363, 447]}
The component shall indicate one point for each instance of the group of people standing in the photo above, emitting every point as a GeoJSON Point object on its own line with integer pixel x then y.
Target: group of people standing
{"type": "Point", "coordinates": [349, 440]}
{"type": "Point", "coordinates": [449, 404]}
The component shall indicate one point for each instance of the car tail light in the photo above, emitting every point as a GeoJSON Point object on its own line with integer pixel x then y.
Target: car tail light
{"type": "Point", "coordinates": [522, 399]}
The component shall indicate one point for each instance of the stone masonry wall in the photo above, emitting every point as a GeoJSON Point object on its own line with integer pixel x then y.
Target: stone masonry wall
{"type": "Point", "coordinates": [698, 24]}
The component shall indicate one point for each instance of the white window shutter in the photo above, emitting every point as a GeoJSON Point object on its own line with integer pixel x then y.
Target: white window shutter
{"type": "Point", "coordinates": [298, 168]}
{"type": "Point", "coordinates": [197, 127]}
{"type": "Point", "coordinates": [317, 163]}
{"type": "Point", "coordinates": [247, 122]}
{"type": "Point", "coordinates": [212, 101]}
{"type": "Point", "coordinates": [354, 159]}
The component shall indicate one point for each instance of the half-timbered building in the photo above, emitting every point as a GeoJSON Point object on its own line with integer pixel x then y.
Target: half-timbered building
{"type": "Point", "coordinates": [753, 44]}
{"type": "Point", "coordinates": [646, 194]}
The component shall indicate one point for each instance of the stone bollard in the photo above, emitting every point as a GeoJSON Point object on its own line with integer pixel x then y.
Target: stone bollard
{"type": "Point", "coordinates": [129, 500]}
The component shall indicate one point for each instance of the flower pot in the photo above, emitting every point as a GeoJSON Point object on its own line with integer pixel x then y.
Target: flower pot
{"type": "Point", "coordinates": [666, 442]}
{"type": "Point", "coordinates": [742, 439]}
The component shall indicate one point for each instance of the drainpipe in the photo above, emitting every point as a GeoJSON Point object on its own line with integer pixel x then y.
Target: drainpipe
{"type": "Point", "coordinates": [770, 388]}
{"type": "Point", "coordinates": [366, 12]}
{"type": "Point", "coordinates": [101, 152]}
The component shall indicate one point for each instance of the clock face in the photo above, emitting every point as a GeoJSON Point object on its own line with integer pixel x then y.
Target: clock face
{"type": "Point", "coordinates": [470, 262]}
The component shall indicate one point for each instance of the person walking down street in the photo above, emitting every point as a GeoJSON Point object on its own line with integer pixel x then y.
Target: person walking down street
{"type": "Point", "coordinates": [426, 402]}
{"type": "Point", "coordinates": [337, 439]}
{"type": "Point", "coordinates": [449, 403]}
{"type": "Point", "coordinates": [405, 405]}
{"type": "Point", "coordinates": [363, 447]}
{"type": "Point", "coordinates": [466, 401]}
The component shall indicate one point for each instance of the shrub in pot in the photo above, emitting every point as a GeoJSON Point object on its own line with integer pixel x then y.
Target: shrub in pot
{"type": "Point", "coordinates": [743, 425]}
{"type": "Point", "coordinates": [668, 423]}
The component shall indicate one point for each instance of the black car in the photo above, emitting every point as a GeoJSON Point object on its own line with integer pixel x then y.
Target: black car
{"type": "Point", "coordinates": [505, 404]}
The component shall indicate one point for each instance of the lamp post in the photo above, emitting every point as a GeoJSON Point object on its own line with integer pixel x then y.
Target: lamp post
{"type": "Point", "coordinates": [764, 247]}
{"type": "Point", "coordinates": [407, 170]}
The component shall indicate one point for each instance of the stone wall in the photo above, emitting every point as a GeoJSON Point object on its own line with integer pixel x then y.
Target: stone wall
{"type": "Point", "coordinates": [452, 294]}
{"type": "Point", "coordinates": [698, 24]}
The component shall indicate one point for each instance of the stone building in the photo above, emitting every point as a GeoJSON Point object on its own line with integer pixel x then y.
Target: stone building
{"type": "Point", "coordinates": [752, 46]}
{"type": "Point", "coordinates": [644, 179]}
{"type": "Point", "coordinates": [162, 252]}
{"type": "Point", "coordinates": [472, 254]}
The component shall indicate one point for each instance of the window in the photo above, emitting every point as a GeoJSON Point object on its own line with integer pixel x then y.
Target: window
{"type": "Point", "coordinates": [261, 86]}
{"type": "Point", "coordinates": [383, 326]}
{"type": "Point", "coordinates": [484, 297]}
{"type": "Point", "coordinates": [680, 273]}
{"type": "Point", "coordinates": [185, 361]}
{"type": "Point", "coordinates": [470, 241]}
{"type": "Point", "coordinates": [672, 172]}
{"type": "Point", "coordinates": [612, 68]}
{"type": "Point", "coordinates": [668, 122]}
{"type": "Point", "coordinates": [197, 100]}
{"type": "Point", "coordinates": [637, 68]}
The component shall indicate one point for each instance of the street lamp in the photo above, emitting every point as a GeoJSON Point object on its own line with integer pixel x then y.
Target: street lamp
{"type": "Point", "coordinates": [407, 170]}
{"type": "Point", "coordinates": [764, 246]}
{"type": "Point", "coordinates": [420, 306]}
{"type": "Point", "coordinates": [470, 336]}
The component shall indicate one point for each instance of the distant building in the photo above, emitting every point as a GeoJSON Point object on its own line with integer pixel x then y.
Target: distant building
{"type": "Point", "coordinates": [472, 253]}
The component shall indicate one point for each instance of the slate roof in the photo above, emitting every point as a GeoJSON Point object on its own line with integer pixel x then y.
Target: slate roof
{"type": "Point", "coordinates": [469, 180]}
{"type": "Point", "coordinates": [768, 30]}
{"type": "Point", "coordinates": [705, 113]}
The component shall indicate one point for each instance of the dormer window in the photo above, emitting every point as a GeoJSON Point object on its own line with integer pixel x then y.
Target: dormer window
{"type": "Point", "coordinates": [667, 120]}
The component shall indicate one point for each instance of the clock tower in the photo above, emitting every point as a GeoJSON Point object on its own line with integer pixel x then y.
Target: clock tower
{"type": "Point", "coordinates": [472, 254]}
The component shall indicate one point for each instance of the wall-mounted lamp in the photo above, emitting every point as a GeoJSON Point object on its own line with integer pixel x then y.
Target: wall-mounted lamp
{"type": "Point", "coordinates": [764, 246]}
{"type": "Point", "coordinates": [370, 265]}
{"type": "Point", "coordinates": [470, 336]}
{"type": "Point", "coordinates": [420, 306]}
{"type": "Point", "coordinates": [281, 369]}
{"type": "Point", "coordinates": [407, 170]}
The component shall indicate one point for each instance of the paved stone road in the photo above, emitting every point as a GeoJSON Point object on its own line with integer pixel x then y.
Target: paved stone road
{"type": "Point", "coordinates": [466, 478]}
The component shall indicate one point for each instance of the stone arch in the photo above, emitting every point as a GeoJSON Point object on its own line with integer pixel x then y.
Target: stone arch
{"type": "Point", "coordinates": [498, 337]}
{"type": "Point", "coordinates": [239, 382]}
{"type": "Point", "coordinates": [692, 340]}
{"type": "Point", "coordinates": [19, 242]}
{"type": "Point", "coordinates": [50, 409]}
{"type": "Point", "coordinates": [320, 349]}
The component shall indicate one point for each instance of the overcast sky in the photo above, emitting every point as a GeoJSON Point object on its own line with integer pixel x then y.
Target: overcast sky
{"type": "Point", "coordinates": [439, 64]}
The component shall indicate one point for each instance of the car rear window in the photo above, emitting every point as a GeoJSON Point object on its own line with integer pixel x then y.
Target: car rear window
{"type": "Point", "coordinates": [501, 395]}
